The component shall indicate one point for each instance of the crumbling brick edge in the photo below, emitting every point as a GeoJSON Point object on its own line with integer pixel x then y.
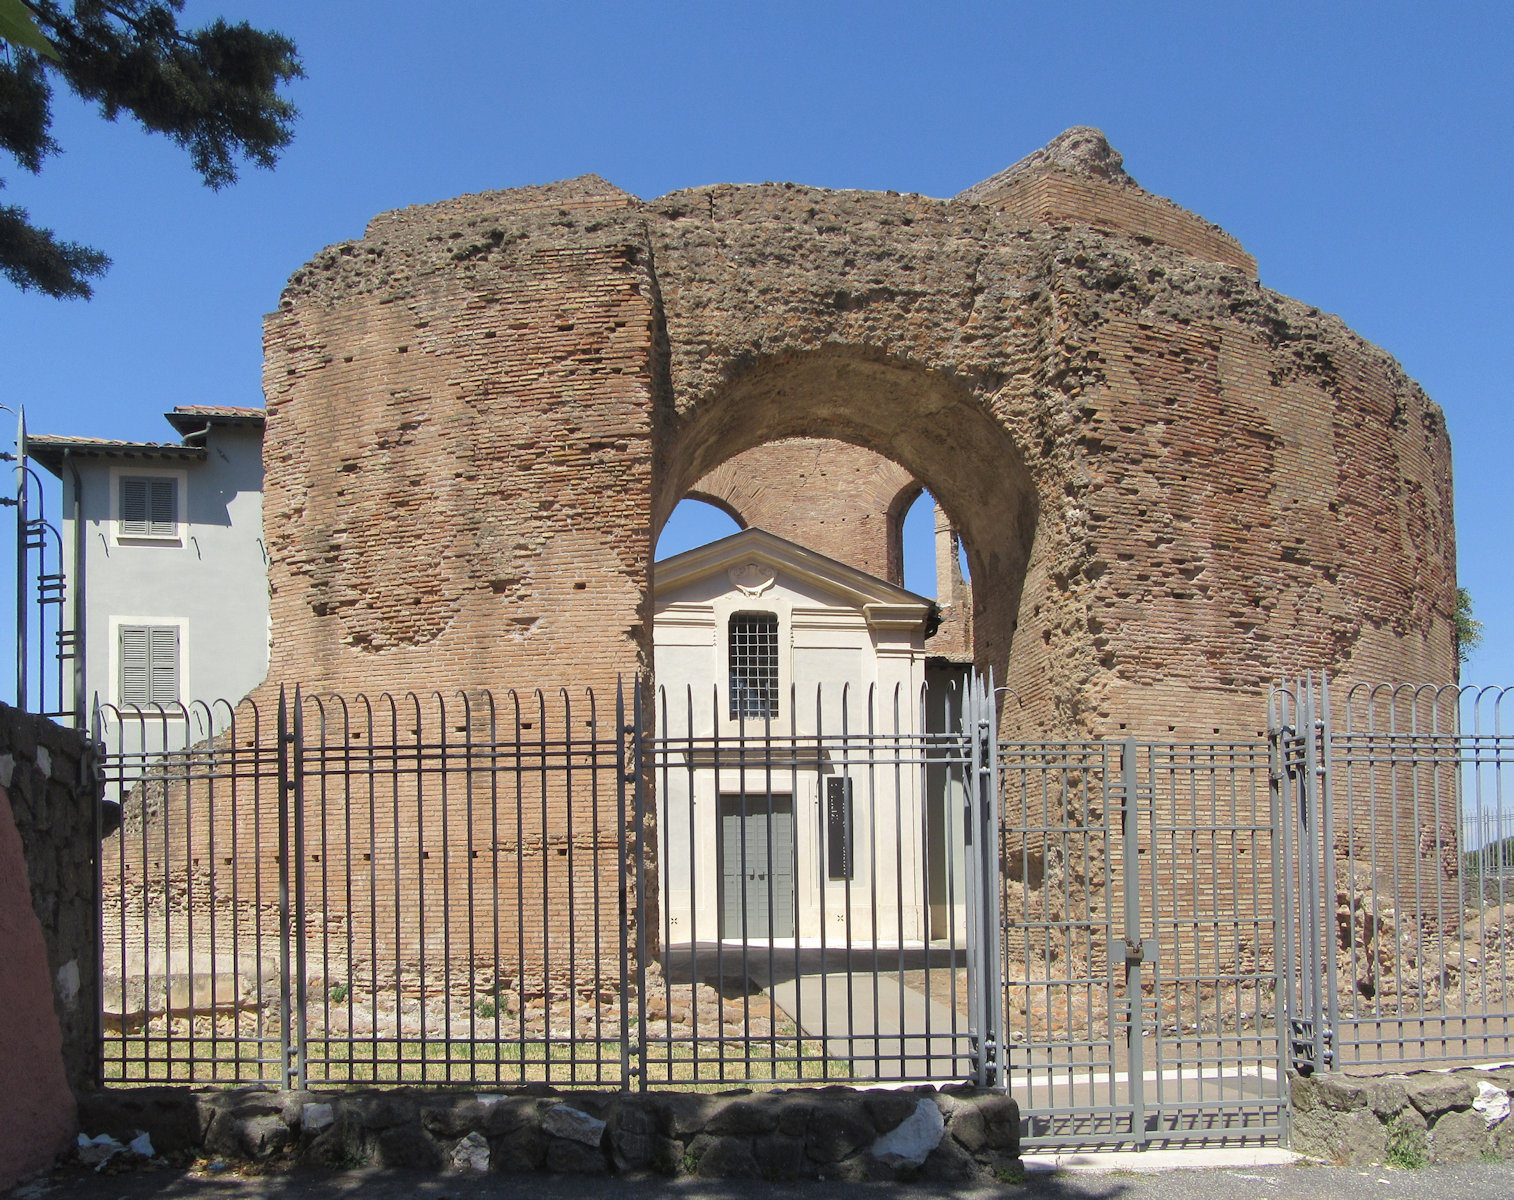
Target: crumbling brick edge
{"type": "Point", "coordinates": [834, 1133]}
{"type": "Point", "coordinates": [1408, 1119]}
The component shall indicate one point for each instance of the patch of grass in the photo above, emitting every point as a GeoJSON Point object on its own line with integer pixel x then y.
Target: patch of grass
{"type": "Point", "coordinates": [486, 1010]}
{"type": "Point", "coordinates": [710, 1064]}
{"type": "Point", "coordinates": [338, 992]}
{"type": "Point", "coordinates": [1406, 1146]}
{"type": "Point", "coordinates": [1014, 1175]}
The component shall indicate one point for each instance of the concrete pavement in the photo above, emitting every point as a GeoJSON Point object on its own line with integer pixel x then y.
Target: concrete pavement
{"type": "Point", "coordinates": [1465, 1181]}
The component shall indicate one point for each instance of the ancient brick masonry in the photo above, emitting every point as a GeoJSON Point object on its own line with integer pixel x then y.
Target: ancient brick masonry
{"type": "Point", "coordinates": [1173, 483]}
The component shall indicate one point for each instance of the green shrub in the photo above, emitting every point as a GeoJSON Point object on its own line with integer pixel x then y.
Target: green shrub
{"type": "Point", "coordinates": [1406, 1146]}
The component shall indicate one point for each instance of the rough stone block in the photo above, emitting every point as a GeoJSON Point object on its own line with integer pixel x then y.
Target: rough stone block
{"type": "Point", "coordinates": [724, 1157]}
{"type": "Point", "coordinates": [451, 1116]}
{"type": "Point", "coordinates": [573, 1124]}
{"type": "Point", "coordinates": [261, 1135]}
{"type": "Point", "coordinates": [569, 1156]}
{"type": "Point", "coordinates": [779, 1157]}
{"type": "Point", "coordinates": [383, 1110]}
{"type": "Point", "coordinates": [745, 1118]}
{"type": "Point", "coordinates": [949, 1163]}
{"type": "Point", "coordinates": [889, 1109]}
{"type": "Point", "coordinates": [1340, 1093]}
{"type": "Point", "coordinates": [1457, 1136]}
{"type": "Point", "coordinates": [1432, 1095]}
{"type": "Point", "coordinates": [681, 1115]}
{"type": "Point", "coordinates": [406, 1146]}
{"type": "Point", "coordinates": [837, 1131]}
{"type": "Point", "coordinates": [1387, 1096]}
{"type": "Point", "coordinates": [523, 1149]}
{"type": "Point", "coordinates": [912, 1141]}
{"type": "Point", "coordinates": [343, 1143]}
{"type": "Point", "coordinates": [794, 1117]}
{"type": "Point", "coordinates": [987, 1121]}
{"type": "Point", "coordinates": [471, 1154]}
{"type": "Point", "coordinates": [1492, 1101]}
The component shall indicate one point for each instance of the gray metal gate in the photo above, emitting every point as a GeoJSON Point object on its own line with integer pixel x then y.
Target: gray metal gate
{"type": "Point", "coordinates": [1399, 835]}
{"type": "Point", "coordinates": [502, 889]}
{"type": "Point", "coordinates": [1139, 897]}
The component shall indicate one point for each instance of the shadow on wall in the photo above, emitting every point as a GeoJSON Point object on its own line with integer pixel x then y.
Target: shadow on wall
{"type": "Point", "coordinates": [37, 1113]}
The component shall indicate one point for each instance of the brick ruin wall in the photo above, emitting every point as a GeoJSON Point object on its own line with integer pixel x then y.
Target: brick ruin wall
{"type": "Point", "coordinates": [849, 503]}
{"type": "Point", "coordinates": [1174, 485]}
{"type": "Point", "coordinates": [839, 500]}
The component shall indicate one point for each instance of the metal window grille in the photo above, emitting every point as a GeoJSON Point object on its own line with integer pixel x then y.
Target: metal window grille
{"type": "Point", "coordinates": [149, 506]}
{"type": "Point", "coordinates": [149, 671]}
{"type": "Point", "coordinates": [754, 665]}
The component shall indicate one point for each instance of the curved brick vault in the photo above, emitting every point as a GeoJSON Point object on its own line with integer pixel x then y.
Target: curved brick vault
{"type": "Point", "coordinates": [1173, 483]}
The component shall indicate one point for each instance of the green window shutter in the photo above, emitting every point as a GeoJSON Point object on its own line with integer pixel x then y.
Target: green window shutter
{"type": "Point", "coordinates": [149, 665]}
{"type": "Point", "coordinates": [149, 506]}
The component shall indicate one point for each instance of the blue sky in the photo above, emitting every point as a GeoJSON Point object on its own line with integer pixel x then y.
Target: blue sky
{"type": "Point", "coordinates": [1360, 152]}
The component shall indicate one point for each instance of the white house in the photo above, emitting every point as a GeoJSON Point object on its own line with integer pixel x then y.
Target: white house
{"type": "Point", "coordinates": [795, 794]}
{"type": "Point", "coordinates": [164, 561]}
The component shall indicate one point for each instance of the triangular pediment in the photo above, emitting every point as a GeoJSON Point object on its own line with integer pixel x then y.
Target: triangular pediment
{"type": "Point", "coordinates": [752, 560]}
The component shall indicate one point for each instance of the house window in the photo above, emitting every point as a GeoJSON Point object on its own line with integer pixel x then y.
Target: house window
{"type": "Point", "coordinates": [754, 665]}
{"type": "Point", "coordinates": [149, 506]}
{"type": "Point", "coordinates": [149, 664]}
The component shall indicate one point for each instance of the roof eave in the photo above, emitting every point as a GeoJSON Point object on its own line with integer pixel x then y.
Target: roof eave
{"type": "Point", "coordinates": [50, 452]}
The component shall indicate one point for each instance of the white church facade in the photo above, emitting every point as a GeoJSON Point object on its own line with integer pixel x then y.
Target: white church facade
{"type": "Point", "coordinates": [796, 800]}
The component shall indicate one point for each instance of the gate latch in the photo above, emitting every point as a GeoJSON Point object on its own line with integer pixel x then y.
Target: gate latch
{"type": "Point", "coordinates": [1132, 951]}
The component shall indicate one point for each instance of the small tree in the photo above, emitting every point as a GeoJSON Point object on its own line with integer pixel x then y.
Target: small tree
{"type": "Point", "coordinates": [1466, 630]}
{"type": "Point", "coordinates": [214, 91]}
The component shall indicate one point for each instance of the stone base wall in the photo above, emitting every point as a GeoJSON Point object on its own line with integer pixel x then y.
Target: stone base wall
{"type": "Point", "coordinates": [1420, 1117]}
{"type": "Point", "coordinates": [829, 1133]}
{"type": "Point", "coordinates": [49, 774]}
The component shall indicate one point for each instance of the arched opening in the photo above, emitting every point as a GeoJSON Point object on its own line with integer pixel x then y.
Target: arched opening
{"type": "Point", "coordinates": [928, 543]}
{"type": "Point", "coordinates": [696, 522]}
{"type": "Point", "coordinates": [934, 557]}
{"type": "Point", "coordinates": [930, 424]}
{"type": "Point", "coordinates": [771, 826]}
